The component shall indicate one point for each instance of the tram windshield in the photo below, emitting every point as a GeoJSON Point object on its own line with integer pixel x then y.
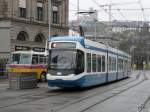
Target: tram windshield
{"type": "Point", "coordinates": [65, 60]}
{"type": "Point", "coordinates": [21, 58]}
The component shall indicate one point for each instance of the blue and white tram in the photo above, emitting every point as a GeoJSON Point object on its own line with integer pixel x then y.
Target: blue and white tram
{"type": "Point", "coordinates": [78, 62]}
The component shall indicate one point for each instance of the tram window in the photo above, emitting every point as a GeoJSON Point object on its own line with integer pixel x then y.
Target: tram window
{"type": "Point", "coordinates": [93, 62]}
{"type": "Point", "coordinates": [114, 64]}
{"type": "Point", "coordinates": [80, 62]}
{"type": "Point", "coordinates": [88, 62]}
{"type": "Point", "coordinates": [120, 64]}
{"type": "Point", "coordinates": [109, 64]}
{"type": "Point", "coordinates": [35, 59]}
{"type": "Point", "coordinates": [103, 63]}
{"type": "Point", "coordinates": [99, 62]}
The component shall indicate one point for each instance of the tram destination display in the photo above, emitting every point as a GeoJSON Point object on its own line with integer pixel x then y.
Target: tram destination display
{"type": "Point", "coordinates": [63, 45]}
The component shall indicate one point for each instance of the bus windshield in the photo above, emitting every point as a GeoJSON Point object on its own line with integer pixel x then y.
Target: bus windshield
{"type": "Point", "coordinates": [21, 59]}
{"type": "Point", "coordinates": [63, 59]}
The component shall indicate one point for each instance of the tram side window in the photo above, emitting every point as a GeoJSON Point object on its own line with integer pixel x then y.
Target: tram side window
{"type": "Point", "coordinates": [93, 62]}
{"type": "Point", "coordinates": [112, 64]}
{"type": "Point", "coordinates": [120, 64]}
{"type": "Point", "coordinates": [35, 59]}
{"type": "Point", "coordinates": [99, 62]}
{"type": "Point", "coordinates": [109, 64]}
{"type": "Point", "coordinates": [80, 62]}
{"type": "Point", "coordinates": [88, 62]}
{"type": "Point", "coordinates": [103, 63]}
{"type": "Point", "coordinates": [115, 64]}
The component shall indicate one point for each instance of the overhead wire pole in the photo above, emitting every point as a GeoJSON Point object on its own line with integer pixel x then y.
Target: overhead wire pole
{"type": "Point", "coordinates": [109, 12]}
{"type": "Point", "coordinates": [49, 18]}
{"type": "Point", "coordinates": [142, 9]}
{"type": "Point", "coordinates": [78, 8]}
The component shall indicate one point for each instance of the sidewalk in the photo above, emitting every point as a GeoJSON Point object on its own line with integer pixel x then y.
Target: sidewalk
{"type": "Point", "coordinates": [131, 100]}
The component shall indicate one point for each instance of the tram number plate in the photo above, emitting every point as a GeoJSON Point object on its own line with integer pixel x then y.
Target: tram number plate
{"type": "Point", "coordinates": [59, 73]}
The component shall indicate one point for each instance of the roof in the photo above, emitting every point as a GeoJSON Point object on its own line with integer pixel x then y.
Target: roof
{"type": "Point", "coordinates": [68, 38]}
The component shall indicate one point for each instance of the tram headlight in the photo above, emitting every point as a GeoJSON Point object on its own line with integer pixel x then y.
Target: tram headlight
{"type": "Point", "coordinates": [54, 45]}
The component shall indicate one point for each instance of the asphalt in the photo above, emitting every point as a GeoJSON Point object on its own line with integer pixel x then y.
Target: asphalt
{"type": "Point", "coordinates": [130, 95]}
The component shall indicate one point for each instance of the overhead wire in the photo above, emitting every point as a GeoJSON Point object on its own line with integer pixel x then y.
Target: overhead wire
{"type": "Point", "coordinates": [102, 8]}
{"type": "Point", "coordinates": [142, 9]}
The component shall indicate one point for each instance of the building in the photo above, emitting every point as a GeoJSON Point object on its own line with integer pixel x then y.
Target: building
{"type": "Point", "coordinates": [24, 23]}
{"type": "Point", "coordinates": [120, 26]}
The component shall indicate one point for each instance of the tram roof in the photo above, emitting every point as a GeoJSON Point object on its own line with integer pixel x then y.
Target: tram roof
{"type": "Point", "coordinates": [82, 41]}
{"type": "Point", "coordinates": [68, 38]}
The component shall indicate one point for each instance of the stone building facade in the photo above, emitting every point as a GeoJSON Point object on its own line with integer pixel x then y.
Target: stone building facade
{"type": "Point", "coordinates": [26, 22]}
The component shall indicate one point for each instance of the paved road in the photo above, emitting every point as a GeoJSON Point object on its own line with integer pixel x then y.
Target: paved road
{"type": "Point", "coordinates": [130, 95]}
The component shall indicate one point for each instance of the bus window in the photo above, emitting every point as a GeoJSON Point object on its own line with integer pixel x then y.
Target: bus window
{"type": "Point", "coordinates": [35, 59]}
{"type": "Point", "coordinates": [15, 59]}
{"type": "Point", "coordinates": [25, 59]}
{"type": "Point", "coordinates": [88, 62]}
{"type": "Point", "coordinates": [42, 59]}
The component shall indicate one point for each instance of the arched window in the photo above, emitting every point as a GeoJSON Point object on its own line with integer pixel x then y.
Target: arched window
{"type": "Point", "coordinates": [22, 36]}
{"type": "Point", "coordinates": [39, 38]}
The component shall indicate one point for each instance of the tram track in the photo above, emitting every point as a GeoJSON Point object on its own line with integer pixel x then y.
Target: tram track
{"type": "Point", "coordinates": [60, 109]}
{"type": "Point", "coordinates": [113, 95]}
{"type": "Point", "coordinates": [37, 96]}
{"type": "Point", "coordinates": [31, 99]}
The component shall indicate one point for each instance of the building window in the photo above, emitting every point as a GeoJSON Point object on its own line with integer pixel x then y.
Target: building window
{"type": "Point", "coordinates": [22, 12]}
{"type": "Point", "coordinates": [22, 36]}
{"type": "Point", "coordinates": [55, 18]}
{"type": "Point", "coordinates": [39, 38]}
{"type": "Point", "coordinates": [22, 8]}
{"type": "Point", "coordinates": [40, 11]}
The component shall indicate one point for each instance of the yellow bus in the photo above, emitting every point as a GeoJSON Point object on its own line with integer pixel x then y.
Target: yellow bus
{"type": "Point", "coordinates": [29, 61]}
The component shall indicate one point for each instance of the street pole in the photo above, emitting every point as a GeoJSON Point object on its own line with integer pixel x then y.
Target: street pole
{"type": "Point", "coordinates": [49, 27]}
{"type": "Point", "coordinates": [49, 19]}
{"type": "Point", "coordinates": [95, 30]}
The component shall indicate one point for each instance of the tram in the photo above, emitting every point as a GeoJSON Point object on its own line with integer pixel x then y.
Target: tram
{"type": "Point", "coordinates": [29, 61]}
{"type": "Point", "coordinates": [78, 62]}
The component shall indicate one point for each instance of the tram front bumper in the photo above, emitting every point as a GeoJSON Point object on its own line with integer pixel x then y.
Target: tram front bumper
{"type": "Point", "coordinates": [64, 81]}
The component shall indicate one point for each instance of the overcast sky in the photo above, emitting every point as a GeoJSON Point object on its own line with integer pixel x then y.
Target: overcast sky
{"type": "Point", "coordinates": [135, 15]}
